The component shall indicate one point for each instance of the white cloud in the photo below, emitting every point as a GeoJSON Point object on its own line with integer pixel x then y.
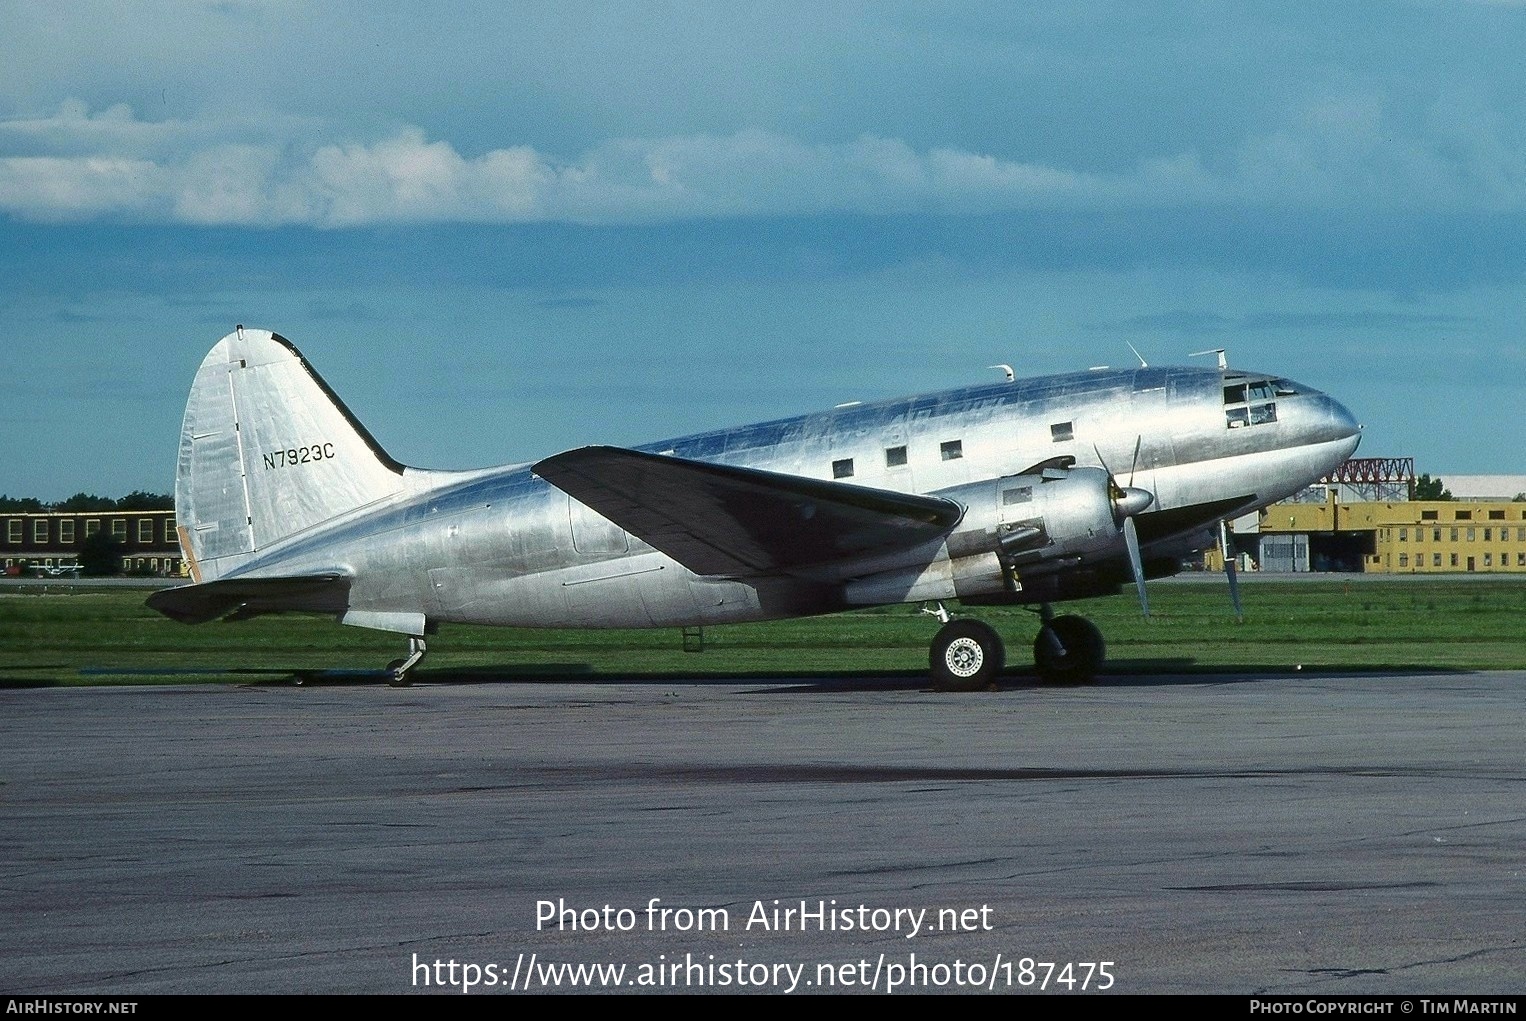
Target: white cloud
{"type": "Point", "coordinates": [50, 188]}
{"type": "Point", "coordinates": [77, 165]}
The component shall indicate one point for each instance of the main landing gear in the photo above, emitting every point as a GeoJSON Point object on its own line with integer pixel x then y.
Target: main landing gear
{"type": "Point", "coordinates": [967, 655]}
{"type": "Point", "coordinates": [398, 669]}
{"type": "Point", "coordinates": [1068, 649]}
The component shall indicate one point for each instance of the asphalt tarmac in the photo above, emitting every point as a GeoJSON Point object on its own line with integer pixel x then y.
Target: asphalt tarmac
{"type": "Point", "coordinates": [1295, 834]}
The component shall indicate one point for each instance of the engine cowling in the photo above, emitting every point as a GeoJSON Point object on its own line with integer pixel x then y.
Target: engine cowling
{"type": "Point", "coordinates": [1017, 526]}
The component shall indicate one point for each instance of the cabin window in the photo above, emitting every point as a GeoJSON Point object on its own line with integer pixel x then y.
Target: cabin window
{"type": "Point", "coordinates": [39, 531]}
{"type": "Point", "coordinates": [895, 457]}
{"type": "Point", "coordinates": [66, 530]}
{"type": "Point", "coordinates": [843, 469]}
{"type": "Point", "coordinates": [952, 450]}
{"type": "Point", "coordinates": [1062, 431]}
{"type": "Point", "coordinates": [1021, 494]}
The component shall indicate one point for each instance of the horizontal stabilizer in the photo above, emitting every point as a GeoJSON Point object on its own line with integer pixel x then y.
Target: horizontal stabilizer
{"type": "Point", "coordinates": [249, 597]}
{"type": "Point", "coordinates": [727, 521]}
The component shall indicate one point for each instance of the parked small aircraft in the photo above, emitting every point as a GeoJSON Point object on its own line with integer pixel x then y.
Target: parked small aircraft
{"type": "Point", "coordinates": [1021, 491]}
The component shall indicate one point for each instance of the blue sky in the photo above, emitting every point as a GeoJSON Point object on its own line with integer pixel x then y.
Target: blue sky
{"type": "Point", "coordinates": [501, 230]}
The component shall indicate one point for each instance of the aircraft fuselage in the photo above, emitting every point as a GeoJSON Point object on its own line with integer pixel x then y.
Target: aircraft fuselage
{"type": "Point", "coordinates": [503, 546]}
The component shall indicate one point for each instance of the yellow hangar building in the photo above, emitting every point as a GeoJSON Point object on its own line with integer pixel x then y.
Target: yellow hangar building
{"type": "Point", "coordinates": [1362, 518]}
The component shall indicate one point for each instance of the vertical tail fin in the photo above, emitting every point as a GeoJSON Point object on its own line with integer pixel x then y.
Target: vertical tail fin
{"type": "Point", "coordinates": [266, 451]}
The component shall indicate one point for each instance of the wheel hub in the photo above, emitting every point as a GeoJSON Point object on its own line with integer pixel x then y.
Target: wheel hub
{"type": "Point", "coordinates": [964, 657]}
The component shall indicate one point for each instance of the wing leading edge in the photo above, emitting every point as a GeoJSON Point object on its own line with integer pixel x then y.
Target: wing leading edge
{"type": "Point", "coordinates": [721, 520]}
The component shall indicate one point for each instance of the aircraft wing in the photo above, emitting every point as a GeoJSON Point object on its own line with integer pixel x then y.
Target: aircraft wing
{"type": "Point", "coordinates": [248, 597]}
{"type": "Point", "coordinates": [737, 522]}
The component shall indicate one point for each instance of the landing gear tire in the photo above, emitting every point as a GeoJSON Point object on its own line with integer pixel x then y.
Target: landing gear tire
{"type": "Point", "coordinates": [1068, 650]}
{"type": "Point", "coordinates": [398, 669]}
{"type": "Point", "coordinates": [966, 655]}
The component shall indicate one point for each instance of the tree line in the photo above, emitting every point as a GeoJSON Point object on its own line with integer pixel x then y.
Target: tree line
{"type": "Point", "coordinates": [83, 503]}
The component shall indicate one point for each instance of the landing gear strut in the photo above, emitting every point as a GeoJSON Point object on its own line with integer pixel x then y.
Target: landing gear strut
{"type": "Point", "coordinates": [398, 669]}
{"type": "Point", "coordinates": [966, 655]}
{"type": "Point", "coordinates": [1068, 649]}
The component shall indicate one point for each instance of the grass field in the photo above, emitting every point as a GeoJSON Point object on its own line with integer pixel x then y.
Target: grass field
{"type": "Point", "coordinates": [109, 637]}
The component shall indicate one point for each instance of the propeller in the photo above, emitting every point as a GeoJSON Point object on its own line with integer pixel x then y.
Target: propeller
{"type": "Point", "coordinates": [1229, 568]}
{"type": "Point", "coordinates": [1127, 502]}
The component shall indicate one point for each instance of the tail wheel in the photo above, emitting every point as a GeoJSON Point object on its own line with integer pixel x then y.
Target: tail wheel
{"type": "Point", "coordinates": [1068, 650]}
{"type": "Point", "coordinates": [966, 655]}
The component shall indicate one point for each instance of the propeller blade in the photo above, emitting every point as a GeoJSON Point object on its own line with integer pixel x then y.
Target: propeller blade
{"type": "Point", "coordinates": [1229, 569]}
{"type": "Point", "coordinates": [1136, 564]}
{"type": "Point", "coordinates": [1097, 450]}
{"type": "Point", "coordinates": [1135, 462]}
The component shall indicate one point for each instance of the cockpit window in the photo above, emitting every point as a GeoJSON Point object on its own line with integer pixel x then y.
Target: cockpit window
{"type": "Point", "coordinates": [1251, 403]}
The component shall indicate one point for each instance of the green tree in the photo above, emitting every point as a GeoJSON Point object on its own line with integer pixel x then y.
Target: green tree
{"type": "Point", "coordinates": [100, 555]}
{"type": "Point", "coordinates": [1427, 488]}
{"type": "Point", "coordinates": [81, 503]}
{"type": "Point", "coordinates": [138, 500]}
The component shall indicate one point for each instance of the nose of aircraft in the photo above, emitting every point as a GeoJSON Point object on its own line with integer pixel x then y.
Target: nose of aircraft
{"type": "Point", "coordinates": [1317, 418]}
{"type": "Point", "coordinates": [1344, 424]}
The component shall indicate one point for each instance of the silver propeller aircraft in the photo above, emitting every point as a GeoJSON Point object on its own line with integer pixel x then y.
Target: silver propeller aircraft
{"type": "Point", "coordinates": [1011, 492]}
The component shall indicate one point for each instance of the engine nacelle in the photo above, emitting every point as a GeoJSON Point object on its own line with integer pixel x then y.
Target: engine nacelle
{"type": "Point", "coordinates": [1014, 527]}
{"type": "Point", "coordinates": [1057, 518]}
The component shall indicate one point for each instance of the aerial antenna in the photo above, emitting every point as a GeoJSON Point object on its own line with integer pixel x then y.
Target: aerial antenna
{"type": "Point", "coordinates": [1223, 362]}
{"type": "Point", "coordinates": [1006, 371]}
{"type": "Point", "coordinates": [1142, 363]}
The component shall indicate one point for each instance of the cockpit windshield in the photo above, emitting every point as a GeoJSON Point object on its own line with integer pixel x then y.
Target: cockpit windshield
{"type": "Point", "coordinates": [1249, 402]}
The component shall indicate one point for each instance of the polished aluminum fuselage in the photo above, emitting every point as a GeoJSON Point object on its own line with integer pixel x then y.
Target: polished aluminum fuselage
{"type": "Point", "coordinates": [502, 546]}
